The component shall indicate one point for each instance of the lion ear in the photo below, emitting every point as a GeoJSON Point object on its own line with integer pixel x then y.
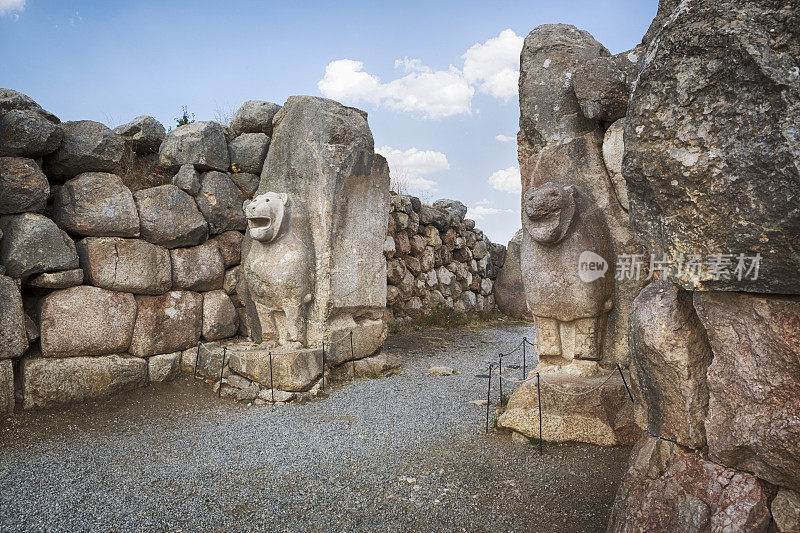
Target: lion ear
{"type": "Point", "coordinates": [284, 197]}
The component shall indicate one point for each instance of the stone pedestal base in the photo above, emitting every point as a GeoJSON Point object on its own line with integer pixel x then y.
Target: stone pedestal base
{"type": "Point", "coordinates": [595, 409]}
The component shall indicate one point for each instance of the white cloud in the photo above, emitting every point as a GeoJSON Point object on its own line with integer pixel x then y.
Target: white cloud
{"type": "Point", "coordinates": [8, 6]}
{"type": "Point", "coordinates": [494, 65]}
{"type": "Point", "coordinates": [491, 67]}
{"type": "Point", "coordinates": [504, 138]}
{"type": "Point", "coordinates": [507, 180]}
{"type": "Point", "coordinates": [483, 208]}
{"type": "Point", "coordinates": [409, 167]}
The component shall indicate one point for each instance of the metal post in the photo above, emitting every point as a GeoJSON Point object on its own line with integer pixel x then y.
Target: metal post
{"type": "Point", "coordinates": [323, 366]}
{"type": "Point", "coordinates": [539, 394]}
{"type": "Point", "coordinates": [500, 375]}
{"type": "Point", "coordinates": [271, 381]}
{"type": "Point", "coordinates": [524, 362]}
{"type": "Point", "coordinates": [196, 360]}
{"type": "Point", "coordinates": [488, 396]}
{"type": "Point", "coordinates": [625, 383]}
{"type": "Point", "coordinates": [353, 355]}
{"type": "Point", "coordinates": [221, 370]}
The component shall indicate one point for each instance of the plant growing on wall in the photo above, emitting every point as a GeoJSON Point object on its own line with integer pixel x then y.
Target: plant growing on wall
{"type": "Point", "coordinates": [185, 119]}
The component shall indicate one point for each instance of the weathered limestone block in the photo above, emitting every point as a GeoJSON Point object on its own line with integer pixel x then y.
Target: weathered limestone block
{"type": "Point", "coordinates": [127, 265]}
{"type": "Point", "coordinates": [63, 279]}
{"type": "Point", "coordinates": [381, 363]}
{"type": "Point", "coordinates": [48, 381]}
{"type": "Point", "coordinates": [33, 244]}
{"type": "Point", "coordinates": [613, 150]}
{"type": "Point", "coordinates": [167, 323]}
{"type": "Point", "coordinates": [199, 268]}
{"type": "Point", "coordinates": [26, 133]}
{"type": "Point", "coordinates": [670, 355]}
{"type": "Point", "coordinates": [13, 339]}
{"type": "Point", "coordinates": [96, 204]}
{"type": "Point", "coordinates": [221, 203]}
{"type": "Point", "coordinates": [786, 511]}
{"type": "Point", "coordinates": [86, 146]}
{"type": "Point", "coordinates": [6, 388]}
{"type": "Point", "coordinates": [322, 159]}
{"type": "Point", "coordinates": [143, 134]}
{"type": "Point", "coordinates": [169, 217]}
{"type": "Point", "coordinates": [293, 371]}
{"type": "Point", "coordinates": [201, 144]}
{"type": "Point", "coordinates": [368, 337]}
{"type": "Point", "coordinates": [220, 319]}
{"type": "Point", "coordinates": [754, 380]}
{"type": "Point", "coordinates": [666, 489]}
{"type": "Point", "coordinates": [711, 162]}
{"type": "Point", "coordinates": [604, 85]}
{"type": "Point", "coordinates": [560, 227]}
{"type": "Point", "coordinates": [163, 367]}
{"type": "Point", "coordinates": [254, 116]}
{"type": "Point", "coordinates": [230, 247]}
{"type": "Point", "coordinates": [590, 410]}
{"type": "Point", "coordinates": [23, 187]}
{"type": "Point", "coordinates": [86, 320]}
{"type": "Point", "coordinates": [248, 151]}
{"type": "Point", "coordinates": [508, 289]}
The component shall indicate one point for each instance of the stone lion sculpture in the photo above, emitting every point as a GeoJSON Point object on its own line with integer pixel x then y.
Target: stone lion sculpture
{"type": "Point", "coordinates": [560, 229]}
{"type": "Point", "coordinates": [280, 266]}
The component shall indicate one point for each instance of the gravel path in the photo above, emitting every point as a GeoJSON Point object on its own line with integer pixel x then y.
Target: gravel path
{"type": "Point", "coordinates": [396, 454]}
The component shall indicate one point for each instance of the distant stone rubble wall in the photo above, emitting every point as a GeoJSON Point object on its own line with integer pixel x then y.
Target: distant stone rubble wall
{"type": "Point", "coordinates": [437, 258]}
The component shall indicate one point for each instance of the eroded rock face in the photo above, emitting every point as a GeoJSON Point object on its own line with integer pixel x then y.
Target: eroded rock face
{"type": "Point", "coordinates": [220, 319]}
{"type": "Point", "coordinates": [86, 320]}
{"type": "Point", "coordinates": [220, 202]}
{"type": "Point", "coordinates": [96, 203]}
{"type": "Point", "coordinates": [13, 339]}
{"type": "Point", "coordinates": [63, 279]}
{"type": "Point", "coordinates": [613, 152]}
{"type": "Point", "coordinates": [786, 511]}
{"type": "Point", "coordinates": [199, 268]}
{"type": "Point", "coordinates": [163, 367]}
{"type": "Point", "coordinates": [248, 151]}
{"type": "Point", "coordinates": [23, 186]}
{"type": "Point", "coordinates": [48, 381]}
{"type": "Point", "coordinates": [167, 323]}
{"type": "Point", "coordinates": [143, 134]}
{"type": "Point", "coordinates": [604, 85]}
{"type": "Point", "coordinates": [666, 489]}
{"type": "Point", "coordinates": [670, 355]}
{"type": "Point", "coordinates": [201, 144]}
{"type": "Point", "coordinates": [293, 371]}
{"type": "Point", "coordinates": [11, 99]}
{"type": "Point", "coordinates": [187, 179]}
{"type": "Point", "coordinates": [169, 217]}
{"type": "Point", "coordinates": [27, 133]}
{"type": "Point", "coordinates": [230, 247]}
{"type": "Point", "coordinates": [696, 163]}
{"type": "Point", "coordinates": [127, 265]}
{"type": "Point", "coordinates": [6, 388]}
{"type": "Point", "coordinates": [33, 244]}
{"type": "Point", "coordinates": [254, 116]}
{"type": "Point", "coordinates": [753, 383]}
{"type": "Point", "coordinates": [86, 146]}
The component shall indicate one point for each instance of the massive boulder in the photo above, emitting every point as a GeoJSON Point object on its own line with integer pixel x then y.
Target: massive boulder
{"type": "Point", "coordinates": [169, 217]}
{"type": "Point", "coordinates": [96, 204]}
{"type": "Point", "coordinates": [754, 383]}
{"type": "Point", "coordinates": [47, 381]}
{"type": "Point", "coordinates": [220, 201]}
{"type": "Point", "coordinates": [127, 265]}
{"type": "Point", "coordinates": [670, 355]}
{"type": "Point", "coordinates": [254, 116]}
{"type": "Point", "coordinates": [220, 319]}
{"type": "Point", "coordinates": [143, 134]}
{"type": "Point", "coordinates": [248, 151]}
{"type": "Point", "coordinates": [509, 292]}
{"type": "Point", "coordinates": [11, 100]}
{"type": "Point", "coordinates": [603, 85]}
{"type": "Point", "coordinates": [87, 146]}
{"type": "Point", "coordinates": [86, 320]}
{"type": "Point", "coordinates": [167, 323]}
{"type": "Point", "coordinates": [33, 244]}
{"type": "Point", "coordinates": [23, 186]}
{"type": "Point", "coordinates": [199, 268]}
{"type": "Point", "coordinates": [13, 339]}
{"type": "Point", "coordinates": [28, 134]}
{"type": "Point", "coordinates": [711, 145]}
{"type": "Point", "coordinates": [201, 144]}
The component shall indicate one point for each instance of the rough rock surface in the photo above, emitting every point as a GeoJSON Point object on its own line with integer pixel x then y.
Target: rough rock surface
{"type": "Point", "coordinates": [98, 204]}
{"type": "Point", "coordinates": [666, 489]}
{"type": "Point", "coordinates": [753, 383]}
{"type": "Point", "coordinates": [169, 217]}
{"type": "Point", "coordinates": [248, 151]}
{"type": "Point", "coordinates": [167, 323]}
{"type": "Point", "coordinates": [786, 511]}
{"type": "Point", "coordinates": [28, 134]}
{"type": "Point", "coordinates": [590, 411]}
{"type": "Point", "coordinates": [199, 268]}
{"type": "Point", "coordinates": [293, 371]}
{"type": "Point", "coordinates": [220, 319]}
{"type": "Point", "coordinates": [604, 85]}
{"type": "Point", "coordinates": [63, 279]}
{"type": "Point", "coordinates": [613, 152]}
{"type": "Point", "coordinates": [23, 186]}
{"type": "Point", "coordinates": [201, 144]}
{"type": "Point", "coordinates": [6, 388]}
{"type": "Point", "coordinates": [247, 183]}
{"type": "Point", "coordinates": [143, 134]}
{"type": "Point", "coordinates": [187, 179]}
{"type": "Point", "coordinates": [127, 265]}
{"type": "Point", "coordinates": [163, 367]}
{"type": "Point", "coordinates": [509, 292]}
{"type": "Point", "coordinates": [11, 99]}
{"type": "Point", "coordinates": [33, 244]}
{"type": "Point", "coordinates": [670, 355]}
{"type": "Point", "coordinates": [703, 176]}
{"type": "Point", "coordinates": [13, 340]}
{"type": "Point", "coordinates": [87, 146]}
{"type": "Point", "coordinates": [254, 116]}
{"type": "Point", "coordinates": [220, 201]}
{"type": "Point", "coordinates": [230, 247]}
{"type": "Point", "coordinates": [86, 320]}
{"type": "Point", "coordinates": [47, 381]}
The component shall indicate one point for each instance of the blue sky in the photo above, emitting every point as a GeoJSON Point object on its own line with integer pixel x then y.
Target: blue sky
{"type": "Point", "coordinates": [436, 77]}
